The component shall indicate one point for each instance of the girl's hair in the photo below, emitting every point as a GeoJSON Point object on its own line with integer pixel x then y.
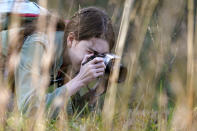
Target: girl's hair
{"type": "Point", "coordinates": [91, 22]}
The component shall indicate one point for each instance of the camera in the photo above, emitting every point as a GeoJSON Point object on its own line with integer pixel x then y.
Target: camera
{"type": "Point", "coordinates": [109, 60]}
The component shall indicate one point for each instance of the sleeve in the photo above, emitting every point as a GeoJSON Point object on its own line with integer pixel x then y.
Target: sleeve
{"type": "Point", "coordinates": [27, 81]}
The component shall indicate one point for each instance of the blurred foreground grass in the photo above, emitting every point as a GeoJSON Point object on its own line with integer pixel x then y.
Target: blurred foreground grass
{"type": "Point", "coordinates": [157, 40]}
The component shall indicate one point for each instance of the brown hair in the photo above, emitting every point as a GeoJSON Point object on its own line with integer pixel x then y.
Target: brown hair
{"type": "Point", "coordinates": [91, 22]}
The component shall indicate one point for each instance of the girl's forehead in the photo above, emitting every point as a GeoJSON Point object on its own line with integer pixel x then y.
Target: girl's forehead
{"type": "Point", "coordinates": [99, 45]}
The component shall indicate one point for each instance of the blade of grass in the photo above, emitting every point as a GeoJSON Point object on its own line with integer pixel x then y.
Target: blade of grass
{"type": "Point", "coordinates": [109, 104]}
{"type": "Point", "coordinates": [190, 60]}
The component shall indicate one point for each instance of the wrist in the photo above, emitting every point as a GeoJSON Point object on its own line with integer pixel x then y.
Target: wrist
{"type": "Point", "coordinates": [77, 82]}
{"type": "Point", "coordinates": [77, 79]}
{"type": "Point", "coordinates": [74, 85]}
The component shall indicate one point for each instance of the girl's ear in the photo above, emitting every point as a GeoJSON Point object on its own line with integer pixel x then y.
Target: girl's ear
{"type": "Point", "coordinates": [70, 39]}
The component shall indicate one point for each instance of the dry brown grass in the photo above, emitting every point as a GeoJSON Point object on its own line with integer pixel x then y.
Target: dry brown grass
{"type": "Point", "coordinates": [157, 40]}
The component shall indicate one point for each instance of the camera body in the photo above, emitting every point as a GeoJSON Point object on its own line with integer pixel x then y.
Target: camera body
{"type": "Point", "coordinates": [109, 60]}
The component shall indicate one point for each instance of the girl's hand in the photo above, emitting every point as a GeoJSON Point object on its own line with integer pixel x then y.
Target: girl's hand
{"type": "Point", "coordinates": [91, 70]}
{"type": "Point", "coordinates": [88, 72]}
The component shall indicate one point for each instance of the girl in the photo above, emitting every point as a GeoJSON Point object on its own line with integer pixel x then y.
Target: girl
{"type": "Point", "coordinates": [89, 31]}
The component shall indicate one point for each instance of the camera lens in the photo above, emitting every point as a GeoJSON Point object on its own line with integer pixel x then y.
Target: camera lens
{"type": "Point", "coordinates": [122, 70]}
{"type": "Point", "coordinates": [122, 74]}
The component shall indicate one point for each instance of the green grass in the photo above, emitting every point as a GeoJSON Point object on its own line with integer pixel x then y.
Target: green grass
{"type": "Point", "coordinates": [159, 93]}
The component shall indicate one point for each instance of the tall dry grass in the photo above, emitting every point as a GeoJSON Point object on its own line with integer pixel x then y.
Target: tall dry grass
{"type": "Point", "coordinates": [157, 42]}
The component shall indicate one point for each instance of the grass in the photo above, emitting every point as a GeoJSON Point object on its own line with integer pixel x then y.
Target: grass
{"type": "Point", "coordinates": [157, 41]}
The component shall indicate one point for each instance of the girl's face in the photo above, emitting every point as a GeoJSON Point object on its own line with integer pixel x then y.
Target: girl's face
{"type": "Point", "coordinates": [78, 49]}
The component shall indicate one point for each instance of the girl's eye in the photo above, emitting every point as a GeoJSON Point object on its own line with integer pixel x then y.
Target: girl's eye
{"type": "Point", "coordinates": [89, 52]}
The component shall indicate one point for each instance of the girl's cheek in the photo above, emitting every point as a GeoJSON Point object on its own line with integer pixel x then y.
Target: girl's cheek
{"type": "Point", "coordinates": [81, 59]}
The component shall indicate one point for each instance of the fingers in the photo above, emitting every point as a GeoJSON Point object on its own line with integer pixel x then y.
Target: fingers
{"type": "Point", "coordinates": [86, 57]}
{"type": "Point", "coordinates": [99, 74]}
{"type": "Point", "coordinates": [91, 70]}
{"type": "Point", "coordinates": [96, 60]}
{"type": "Point", "coordinates": [96, 73]}
{"type": "Point", "coordinates": [100, 70]}
{"type": "Point", "coordinates": [97, 68]}
{"type": "Point", "coordinates": [99, 65]}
